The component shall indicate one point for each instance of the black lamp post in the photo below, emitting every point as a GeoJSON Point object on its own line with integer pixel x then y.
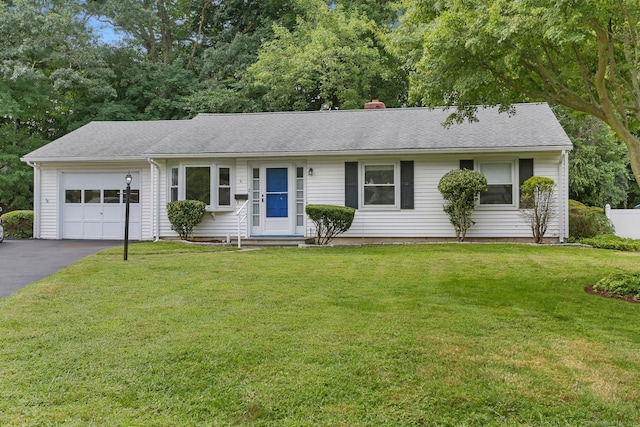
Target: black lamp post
{"type": "Point", "coordinates": [128, 179]}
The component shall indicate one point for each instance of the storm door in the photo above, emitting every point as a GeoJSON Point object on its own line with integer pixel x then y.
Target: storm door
{"type": "Point", "coordinates": [274, 200]}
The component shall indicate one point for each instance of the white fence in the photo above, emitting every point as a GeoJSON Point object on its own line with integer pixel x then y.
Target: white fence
{"type": "Point", "coordinates": [626, 221]}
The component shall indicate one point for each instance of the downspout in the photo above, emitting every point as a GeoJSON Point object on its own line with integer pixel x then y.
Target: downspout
{"type": "Point", "coordinates": [36, 198]}
{"type": "Point", "coordinates": [155, 186]}
{"type": "Point", "coordinates": [564, 229]}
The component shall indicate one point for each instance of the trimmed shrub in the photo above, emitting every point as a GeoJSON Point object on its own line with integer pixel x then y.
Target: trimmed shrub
{"type": "Point", "coordinates": [18, 224]}
{"type": "Point", "coordinates": [586, 221]}
{"type": "Point", "coordinates": [184, 215]}
{"type": "Point", "coordinates": [459, 189]}
{"type": "Point", "coordinates": [609, 241]}
{"type": "Point", "coordinates": [535, 204]}
{"type": "Point", "coordinates": [620, 284]}
{"type": "Point", "coordinates": [330, 221]}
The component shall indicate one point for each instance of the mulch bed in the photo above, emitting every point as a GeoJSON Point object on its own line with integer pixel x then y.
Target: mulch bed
{"type": "Point", "coordinates": [589, 289]}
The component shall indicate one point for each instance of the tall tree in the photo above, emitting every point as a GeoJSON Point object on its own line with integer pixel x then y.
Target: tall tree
{"type": "Point", "coordinates": [598, 164]}
{"type": "Point", "coordinates": [384, 12]}
{"type": "Point", "coordinates": [230, 34]}
{"type": "Point", "coordinates": [153, 25]}
{"type": "Point", "coordinates": [50, 75]}
{"type": "Point", "coordinates": [330, 60]}
{"type": "Point", "coordinates": [583, 55]}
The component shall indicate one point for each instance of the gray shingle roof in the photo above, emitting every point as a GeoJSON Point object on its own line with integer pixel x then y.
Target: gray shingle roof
{"type": "Point", "coordinates": [107, 141]}
{"type": "Point", "coordinates": [534, 127]}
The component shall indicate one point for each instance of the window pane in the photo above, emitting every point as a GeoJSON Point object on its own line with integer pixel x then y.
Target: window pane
{"type": "Point", "coordinates": [174, 177]}
{"type": "Point", "coordinates": [497, 173]}
{"type": "Point", "coordinates": [112, 196]}
{"type": "Point", "coordinates": [198, 184]}
{"type": "Point", "coordinates": [299, 172]}
{"type": "Point", "coordinates": [224, 176]}
{"type": "Point", "coordinates": [73, 196]}
{"type": "Point", "coordinates": [497, 195]}
{"type": "Point", "coordinates": [374, 195]}
{"type": "Point", "coordinates": [92, 196]}
{"type": "Point", "coordinates": [379, 174]}
{"type": "Point", "coordinates": [134, 196]}
{"type": "Point", "coordinates": [224, 196]}
{"type": "Point", "coordinates": [174, 194]}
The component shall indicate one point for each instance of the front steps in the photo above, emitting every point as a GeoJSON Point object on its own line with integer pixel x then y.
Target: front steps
{"type": "Point", "coordinates": [273, 242]}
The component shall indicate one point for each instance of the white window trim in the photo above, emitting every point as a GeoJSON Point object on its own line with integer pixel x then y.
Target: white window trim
{"type": "Point", "coordinates": [214, 180]}
{"type": "Point", "coordinates": [396, 184]}
{"type": "Point", "coordinates": [513, 183]}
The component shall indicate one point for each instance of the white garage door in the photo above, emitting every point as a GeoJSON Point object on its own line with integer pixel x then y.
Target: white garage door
{"type": "Point", "coordinates": [94, 206]}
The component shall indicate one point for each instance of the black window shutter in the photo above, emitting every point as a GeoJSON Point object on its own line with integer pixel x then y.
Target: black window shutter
{"type": "Point", "coordinates": [525, 169]}
{"type": "Point", "coordinates": [351, 184]}
{"type": "Point", "coordinates": [406, 185]}
{"type": "Point", "coordinates": [466, 164]}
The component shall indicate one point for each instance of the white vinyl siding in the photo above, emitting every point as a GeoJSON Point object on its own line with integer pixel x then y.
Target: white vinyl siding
{"type": "Point", "coordinates": [325, 186]}
{"type": "Point", "coordinates": [427, 219]}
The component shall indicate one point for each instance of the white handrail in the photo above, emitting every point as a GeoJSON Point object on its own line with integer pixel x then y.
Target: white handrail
{"type": "Point", "coordinates": [237, 213]}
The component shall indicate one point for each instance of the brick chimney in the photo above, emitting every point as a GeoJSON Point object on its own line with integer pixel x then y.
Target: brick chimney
{"type": "Point", "coordinates": [374, 105]}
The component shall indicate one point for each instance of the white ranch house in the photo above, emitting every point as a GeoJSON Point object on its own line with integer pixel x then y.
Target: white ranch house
{"type": "Point", "coordinates": [268, 166]}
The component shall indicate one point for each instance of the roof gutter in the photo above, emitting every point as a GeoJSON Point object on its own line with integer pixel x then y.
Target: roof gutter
{"type": "Point", "coordinates": [82, 159]}
{"type": "Point", "coordinates": [36, 198]}
{"type": "Point", "coordinates": [359, 152]}
{"type": "Point", "coordinates": [155, 198]}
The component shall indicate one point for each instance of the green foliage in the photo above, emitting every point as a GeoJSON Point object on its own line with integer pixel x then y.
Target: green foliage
{"type": "Point", "coordinates": [536, 204]}
{"type": "Point", "coordinates": [582, 55]}
{"type": "Point", "coordinates": [330, 60]}
{"type": "Point", "coordinates": [610, 241]}
{"type": "Point", "coordinates": [598, 163]}
{"type": "Point", "coordinates": [184, 215]}
{"type": "Point", "coordinates": [330, 221]}
{"type": "Point", "coordinates": [586, 221]}
{"type": "Point", "coordinates": [51, 79]}
{"type": "Point", "coordinates": [620, 284]}
{"type": "Point", "coordinates": [459, 188]}
{"type": "Point", "coordinates": [18, 224]}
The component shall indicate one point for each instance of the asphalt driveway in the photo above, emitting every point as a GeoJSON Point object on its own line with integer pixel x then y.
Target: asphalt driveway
{"type": "Point", "coordinates": [25, 261]}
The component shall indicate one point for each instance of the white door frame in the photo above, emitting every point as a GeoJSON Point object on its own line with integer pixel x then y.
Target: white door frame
{"type": "Point", "coordinates": [272, 226]}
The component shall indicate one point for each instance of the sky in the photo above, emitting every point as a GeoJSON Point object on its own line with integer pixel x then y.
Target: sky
{"type": "Point", "coordinates": [104, 31]}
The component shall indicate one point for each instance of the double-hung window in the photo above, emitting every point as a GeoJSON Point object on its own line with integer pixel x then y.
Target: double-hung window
{"type": "Point", "coordinates": [210, 184]}
{"type": "Point", "coordinates": [224, 186]}
{"type": "Point", "coordinates": [500, 179]}
{"type": "Point", "coordinates": [379, 185]}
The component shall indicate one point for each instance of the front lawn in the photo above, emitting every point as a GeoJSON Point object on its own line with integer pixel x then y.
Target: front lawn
{"type": "Point", "coordinates": [442, 334]}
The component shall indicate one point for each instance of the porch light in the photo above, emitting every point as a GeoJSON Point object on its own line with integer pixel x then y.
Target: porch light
{"type": "Point", "coordinates": [128, 180]}
{"type": "Point", "coordinates": [310, 172]}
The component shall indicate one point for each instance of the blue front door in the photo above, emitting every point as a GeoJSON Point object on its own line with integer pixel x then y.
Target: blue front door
{"type": "Point", "coordinates": [275, 201]}
{"type": "Point", "coordinates": [277, 193]}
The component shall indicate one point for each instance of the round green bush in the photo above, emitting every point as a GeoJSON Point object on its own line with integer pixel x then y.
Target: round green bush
{"type": "Point", "coordinates": [184, 215]}
{"type": "Point", "coordinates": [18, 224]}
{"type": "Point", "coordinates": [587, 221]}
{"type": "Point", "coordinates": [459, 189]}
{"type": "Point", "coordinates": [330, 221]}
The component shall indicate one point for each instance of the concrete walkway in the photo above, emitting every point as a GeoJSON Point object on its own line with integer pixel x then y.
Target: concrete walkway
{"type": "Point", "coordinates": [25, 261]}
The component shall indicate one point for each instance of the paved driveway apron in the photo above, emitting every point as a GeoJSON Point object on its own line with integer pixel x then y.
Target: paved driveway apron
{"type": "Point", "coordinates": [25, 261]}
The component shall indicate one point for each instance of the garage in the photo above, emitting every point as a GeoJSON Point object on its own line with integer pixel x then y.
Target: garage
{"type": "Point", "coordinates": [94, 205]}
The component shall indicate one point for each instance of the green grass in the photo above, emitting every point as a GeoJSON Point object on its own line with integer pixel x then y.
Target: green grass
{"type": "Point", "coordinates": [419, 335]}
